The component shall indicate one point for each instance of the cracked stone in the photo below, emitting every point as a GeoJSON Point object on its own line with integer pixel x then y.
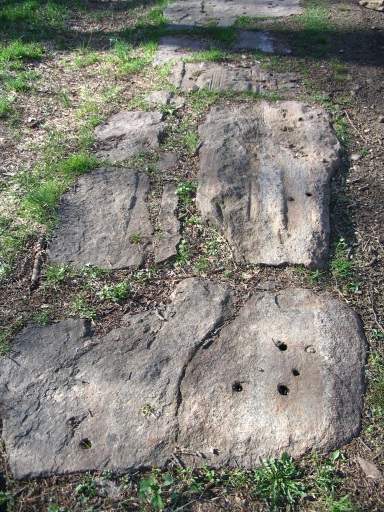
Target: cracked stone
{"type": "Point", "coordinates": [255, 392]}
{"type": "Point", "coordinates": [192, 76]}
{"type": "Point", "coordinates": [158, 98]}
{"type": "Point", "coordinates": [108, 402]}
{"type": "Point", "coordinates": [98, 218]}
{"type": "Point", "coordinates": [201, 381]}
{"type": "Point", "coordinates": [169, 225]}
{"type": "Point", "coordinates": [376, 5]}
{"type": "Point", "coordinates": [128, 133]}
{"type": "Point", "coordinates": [264, 180]}
{"type": "Point", "coordinates": [223, 13]}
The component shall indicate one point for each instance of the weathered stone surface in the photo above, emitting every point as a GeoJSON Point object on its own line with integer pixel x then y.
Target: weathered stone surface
{"type": "Point", "coordinates": [192, 76]}
{"type": "Point", "coordinates": [225, 12]}
{"type": "Point", "coordinates": [264, 180]}
{"type": "Point", "coordinates": [285, 375]}
{"type": "Point", "coordinates": [128, 133]}
{"type": "Point", "coordinates": [98, 218]}
{"type": "Point", "coordinates": [74, 402]}
{"type": "Point", "coordinates": [369, 469]}
{"type": "Point", "coordinates": [173, 48]}
{"type": "Point", "coordinates": [158, 98]}
{"type": "Point", "coordinates": [377, 5]}
{"type": "Point", "coordinates": [169, 225]}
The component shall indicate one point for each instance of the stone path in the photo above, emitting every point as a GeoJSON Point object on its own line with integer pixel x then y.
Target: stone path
{"type": "Point", "coordinates": [285, 374]}
{"type": "Point", "coordinates": [210, 381]}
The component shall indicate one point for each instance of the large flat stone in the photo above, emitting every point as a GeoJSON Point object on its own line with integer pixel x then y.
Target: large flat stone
{"type": "Point", "coordinates": [193, 76]}
{"type": "Point", "coordinates": [285, 375]}
{"type": "Point", "coordinates": [74, 402]}
{"type": "Point", "coordinates": [99, 217]}
{"type": "Point", "coordinates": [128, 133]}
{"type": "Point", "coordinates": [264, 180]}
{"type": "Point", "coordinates": [225, 12]}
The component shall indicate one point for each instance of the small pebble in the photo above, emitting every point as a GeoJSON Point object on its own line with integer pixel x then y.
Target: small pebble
{"type": "Point", "coordinates": [355, 157]}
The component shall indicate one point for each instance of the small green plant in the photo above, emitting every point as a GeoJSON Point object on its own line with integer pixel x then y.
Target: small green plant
{"type": "Point", "coordinates": [315, 276]}
{"type": "Point", "coordinates": [325, 478]}
{"type": "Point", "coordinates": [151, 489]}
{"type": "Point", "coordinates": [190, 140]}
{"type": "Point", "coordinates": [341, 266]}
{"type": "Point", "coordinates": [5, 107]}
{"type": "Point", "coordinates": [343, 504]}
{"type": "Point", "coordinates": [86, 489]}
{"type": "Point", "coordinates": [116, 292]}
{"type": "Point", "coordinates": [277, 482]}
{"type": "Point", "coordinates": [41, 202]}
{"type": "Point", "coordinates": [185, 191]}
{"type": "Point", "coordinates": [202, 264]}
{"type": "Point", "coordinates": [183, 253]}
{"type": "Point", "coordinates": [78, 163]}
{"type": "Point", "coordinates": [81, 307]}
{"type": "Point", "coordinates": [55, 275]}
{"type": "Point", "coordinates": [375, 396]}
{"type": "Point", "coordinates": [341, 128]}
{"type": "Point", "coordinates": [136, 238]}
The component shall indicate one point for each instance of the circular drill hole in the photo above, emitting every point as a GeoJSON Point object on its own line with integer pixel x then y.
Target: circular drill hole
{"type": "Point", "coordinates": [85, 444]}
{"type": "Point", "coordinates": [295, 372]}
{"type": "Point", "coordinates": [308, 194]}
{"type": "Point", "coordinates": [282, 389]}
{"type": "Point", "coordinates": [281, 345]}
{"type": "Point", "coordinates": [290, 199]}
{"type": "Point", "coordinates": [237, 387]}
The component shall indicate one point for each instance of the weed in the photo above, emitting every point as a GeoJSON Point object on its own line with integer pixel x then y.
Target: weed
{"type": "Point", "coordinates": [183, 253]}
{"type": "Point", "coordinates": [377, 334]}
{"type": "Point", "coordinates": [116, 292]}
{"type": "Point", "coordinates": [55, 275]}
{"type": "Point", "coordinates": [190, 140]}
{"type": "Point", "coordinates": [325, 478]}
{"type": "Point", "coordinates": [212, 55]}
{"type": "Point", "coordinates": [41, 202]}
{"type": "Point", "coordinates": [341, 128]}
{"type": "Point", "coordinates": [86, 489]}
{"type": "Point", "coordinates": [343, 504]}
{"type": "Point", "coordinates": [64, 98]}
{"type": "Point", "coordinates": [86, 58]}
{"type": "Point", "coordinates": [81, 307]}
{"type": "Point", "coordinates": [315, 276]}
{"type": "Point", "coordinates": [277, 482]}
{"type": "Point", "coordinates": [151, 489]}
{"type": "Point", "coordinates": [136, 238]}
{"type": "Point", "coordinates": [202, 99]}
{"type": "Point", "coordinates": [148, 410]}
{"type": "Point", "coordinates": [19, 51]}
{"type": "Point", "coordinates": [341, 266]}
{"type": "Point", "coordinates": [42, 317]}
{"type": "Point", "coordinates": [186, 191]}
{"type": "Point", "coordinates": [4, 341]}
{"type": "Point", "coordinates": [5, 107]}
{"type": "Point", "coordinates": [202, 264]}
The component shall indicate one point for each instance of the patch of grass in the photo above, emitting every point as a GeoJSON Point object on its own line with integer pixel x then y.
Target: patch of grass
{"type": "Point", "coordinates": [212, 55]}
{"type": "Point", "coordinates": [82, 308]}
{"type": "Point", "coordinates": [341, 128]}
{"type": "Point", "coordinates": [40, 203]}
{"type": "Point", "coordinates": [341, 266]}
{"type": "Point", "coordinates": [19, 51]}
{"type": "Point", "coordinates": [116, 292]}
{"type": "Point", "coordinates": [77, 164]}
{"type": "Point", "coordinates": [129, 60]}
{"type": "Point", "coordinates": [202, 99]}
{"type": "Point", "coordinates": [339, 70]}
{"type": "Point", "coordinates": [224, 35]}
{"type": "Point", "coordinates": [5, 107]}
{"type": "Point", "coordinates": [375, 396]}
{"type": "Point", "coordinates": [4, 342]}
{"type": "Point", "coordinates": [42, 317]}
{"type": "Point", "coordinates": [312, 38]}
{"type": "Point", "coordinates": [136, 238]}
{"type": "Point", "coordinates": [278, 483]}
{"type": "Point", "coordinates": [190, 140]}
{"type": "Point", "coordinates": [151, 489]}
{"type": "Point", "coordinates": [86, 58]}
{"type": "Point", "coordinates": [343, 504]}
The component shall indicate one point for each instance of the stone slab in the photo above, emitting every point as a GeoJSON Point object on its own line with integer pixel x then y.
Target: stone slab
{"type": "Point", "coordinates": [173, 48]}
{"type": "Point", "coordinates": [169, 225]}
{"type": "Point", "coordinates": [285, 374]}
{"type": "Point", "coordinates": [376, 5]}
{"type": "Point", "coordinates": [264, 177]}
{"type": "Point", "coordinates": [127, 133]}
{"type": "Point", "coordinates": [98, 218]}
{"type": "Point", "coordinates": [193, 76]}
{"type": "Point", "coordinates": [224, 13]}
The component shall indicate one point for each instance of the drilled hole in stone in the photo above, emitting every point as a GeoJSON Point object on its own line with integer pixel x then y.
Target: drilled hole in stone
{"type": "Point", "coordinates": [295, 372]}
{"type": "Point", "coordinates": [281, 345]}
{"type": "Point", "coordinates": [85, 444]}
{"type": "Point", "coordinates": [237, 387]}
{"type": "Point", "coordinates": [282, 389]}
{"type": "Point", "coordinates": [308, 194]}
{"type": "Point", "coordinates": [290, 199]}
